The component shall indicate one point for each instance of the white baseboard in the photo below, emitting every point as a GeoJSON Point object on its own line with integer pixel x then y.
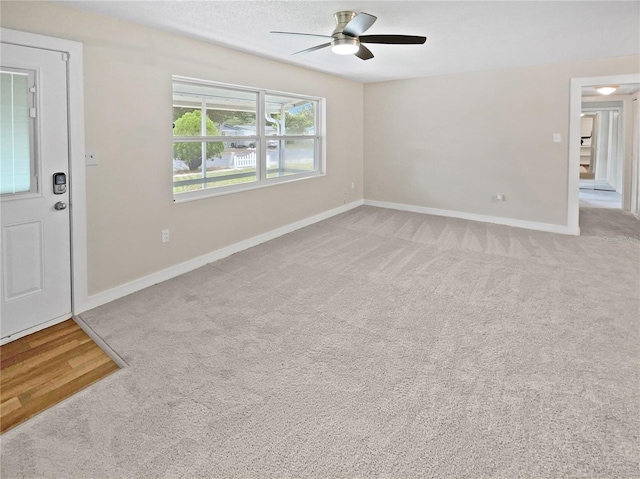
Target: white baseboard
{"type": "Point", "coordinates": [530, 225]}
{"type": "Point", "coordinates": [104, 297]}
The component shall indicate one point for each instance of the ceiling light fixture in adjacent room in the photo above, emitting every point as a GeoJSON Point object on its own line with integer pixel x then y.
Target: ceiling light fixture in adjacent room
{"type": "Point", "coordinates": [607, 89]}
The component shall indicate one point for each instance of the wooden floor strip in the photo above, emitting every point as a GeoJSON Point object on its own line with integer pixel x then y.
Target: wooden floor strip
{"type": "Point", "coordinates": [40, 370]}
{"type": "Point", "coordinates": [38, 350]}
{"type": "Point", "coordinates": [32, 362]}
{"type": "Point", "coordinates": [44, 339]}
{"type": "Point", "coordinates": [10, 405]}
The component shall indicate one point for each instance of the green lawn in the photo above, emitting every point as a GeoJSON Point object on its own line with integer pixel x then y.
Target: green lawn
{"type": "Point", "coordinates": [213, 174]}
{"type": "Point", "coordinates": [307, 166]}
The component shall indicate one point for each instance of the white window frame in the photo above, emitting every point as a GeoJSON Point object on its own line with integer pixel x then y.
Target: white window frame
{"type": "Point", "coordinates": [261, 139]}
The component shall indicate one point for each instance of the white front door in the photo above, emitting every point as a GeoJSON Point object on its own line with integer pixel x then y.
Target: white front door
{"type": "Point", "coordinates": [35, 245]}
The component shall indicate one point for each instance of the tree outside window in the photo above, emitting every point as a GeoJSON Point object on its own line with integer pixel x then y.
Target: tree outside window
{"type": "Point", "coordinates": [190, 124]}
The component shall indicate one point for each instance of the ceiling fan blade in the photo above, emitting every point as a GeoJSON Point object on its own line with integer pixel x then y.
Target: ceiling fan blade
{"type": "Point", "coordinates": [393, 39]}
{"type": "Point", "coordinates": [364, 53]}
{"type": "Point", "coordinates": [359, 24]}
{"type": "Point", "coordinates": [313, 49]}
{"type": "Point", "coordinates": [305, 34]}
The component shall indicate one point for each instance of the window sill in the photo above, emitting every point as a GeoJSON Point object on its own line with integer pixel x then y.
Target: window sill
{"type": "Point", "coordinates": [228, 190]}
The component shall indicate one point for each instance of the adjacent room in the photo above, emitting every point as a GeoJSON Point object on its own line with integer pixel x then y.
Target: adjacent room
{"type": "Point", "coordinates": [320, 239]}
{"type": "Point", "coordinates": [603, 149]}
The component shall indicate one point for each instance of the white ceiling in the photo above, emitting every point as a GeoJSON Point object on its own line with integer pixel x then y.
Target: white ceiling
{"type": "Point", "coordinates": [461, 36]}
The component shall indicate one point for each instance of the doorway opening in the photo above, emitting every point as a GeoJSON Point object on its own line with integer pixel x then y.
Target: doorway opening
{"type": "Point", "coordinates": [603, 164]}
{"type": "Point", "coordinates": [601, 153]}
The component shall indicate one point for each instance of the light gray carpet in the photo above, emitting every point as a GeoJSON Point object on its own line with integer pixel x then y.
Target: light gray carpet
{"type": "Point", "coordinates": [376, 343]}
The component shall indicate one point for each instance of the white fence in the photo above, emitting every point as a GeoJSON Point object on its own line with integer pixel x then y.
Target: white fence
{"type": "Point", "coordinates": [244, 161]}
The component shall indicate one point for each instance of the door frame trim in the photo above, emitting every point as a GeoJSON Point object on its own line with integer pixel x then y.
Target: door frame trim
{"type": "Point", "coordinates": [77, 174]}
{"type": "Point", "coordinates": [573, 175]}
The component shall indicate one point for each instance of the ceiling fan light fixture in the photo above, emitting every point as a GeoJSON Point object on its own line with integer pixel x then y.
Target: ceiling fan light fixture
{"type": "Point", "coordinates": [607, 89]}
{"type": "Point", "coordinates": [345, 46]}
{"type": "Point", "coordinates": [347, 37]}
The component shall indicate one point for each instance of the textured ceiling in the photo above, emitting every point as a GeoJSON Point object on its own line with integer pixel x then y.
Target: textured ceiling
{"type": "Point", "coordinates": [461, 36]}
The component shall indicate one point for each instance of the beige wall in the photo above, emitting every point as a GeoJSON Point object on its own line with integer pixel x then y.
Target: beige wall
{"type": "Point", "coordinates": [453, 141]}
{"type": "Point", "coordinates": [128, 112]}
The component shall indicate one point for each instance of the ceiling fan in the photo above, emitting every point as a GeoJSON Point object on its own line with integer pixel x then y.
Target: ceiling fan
{"type": "Point", "coordinates": [347, 38]}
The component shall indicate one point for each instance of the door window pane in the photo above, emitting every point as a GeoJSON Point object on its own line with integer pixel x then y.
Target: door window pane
{"type": "Point", "coordinates": [16, 154]}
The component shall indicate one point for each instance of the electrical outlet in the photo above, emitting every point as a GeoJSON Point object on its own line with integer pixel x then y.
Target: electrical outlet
{"type": "Point", "coordinates": [500, 197]}
{"type": "Point", "coordinates": [353, 186]}
{"type": "Point", "coordinates": [165, 236]}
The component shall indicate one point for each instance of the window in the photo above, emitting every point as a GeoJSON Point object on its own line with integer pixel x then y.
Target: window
{"type": "Point", "coordinates": [228, 138]}
{"type": "Point", "coordinates": [17, 129]}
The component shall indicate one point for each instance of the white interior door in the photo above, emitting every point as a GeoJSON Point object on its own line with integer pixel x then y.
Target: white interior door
{"type": "Point", "coordinates": [35, 245]}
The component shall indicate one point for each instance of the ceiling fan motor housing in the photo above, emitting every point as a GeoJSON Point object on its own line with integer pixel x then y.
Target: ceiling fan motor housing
{"type": "Point", "coordinates": [340, 40]}
{"type": "Point", "coordinates": [342, 18]}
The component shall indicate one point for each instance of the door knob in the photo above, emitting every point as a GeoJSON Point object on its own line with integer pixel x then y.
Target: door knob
{"type": "Point", "coordinates": [60, 205]}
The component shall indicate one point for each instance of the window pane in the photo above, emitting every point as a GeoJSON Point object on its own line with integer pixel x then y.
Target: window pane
{"type": "Point", "coordinates": [290, 116]}
{"type": "Point", "coordinates": [188, 122]}
{"type": "Point", "coordinates": [225, 165]}
{"type": "Point", "coordinates": [15, 125]}
{"type": "Point", "coordinates": [234, 166]}
{"type": "Point", "coordinates": [290, 157]}
{"type": "Point", "coordinates": [229, 112]}
{"type": "Point", "coordinates": [220, 142]}
{"type": "Point", "coordinates": [235, 119]}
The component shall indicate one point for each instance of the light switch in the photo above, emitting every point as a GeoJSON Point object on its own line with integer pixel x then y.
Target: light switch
{"type": "Point", "coordinates": [557, 138]}
{"type": "Point", "coordinates": [90, 157]}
